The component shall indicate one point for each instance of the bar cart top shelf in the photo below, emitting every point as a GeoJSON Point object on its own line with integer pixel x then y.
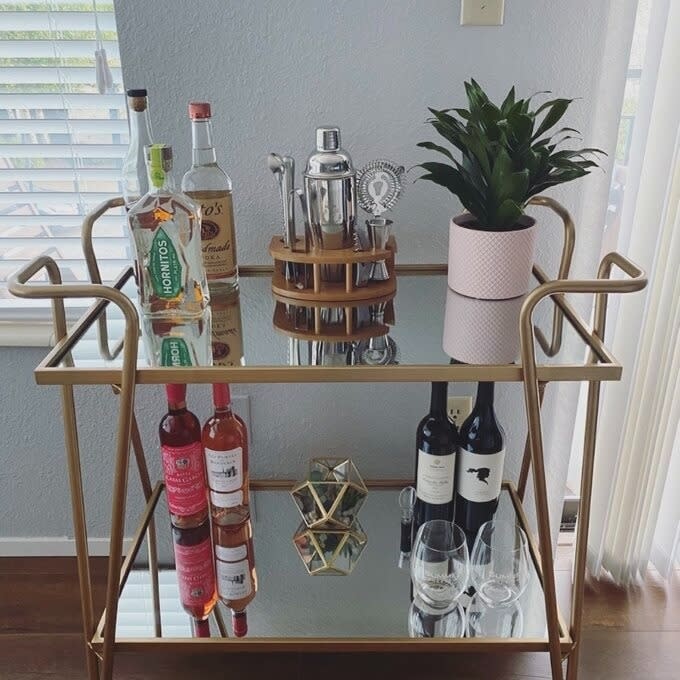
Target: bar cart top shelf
{"type": "Point", "coordinates": [81, 358]}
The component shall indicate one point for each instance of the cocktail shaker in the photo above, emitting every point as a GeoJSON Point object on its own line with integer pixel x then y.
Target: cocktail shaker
{"type": "Point", "coordinates": [330, 191]}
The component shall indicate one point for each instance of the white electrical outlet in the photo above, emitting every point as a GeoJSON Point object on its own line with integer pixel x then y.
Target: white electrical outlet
{"type": "Point", "coordinates": [482, 12]}
{"type": "Point", "coordinates": [459, 409]}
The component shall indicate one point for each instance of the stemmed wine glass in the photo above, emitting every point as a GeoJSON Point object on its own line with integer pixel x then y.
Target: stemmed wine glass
{"type": "Point", "coordinates": [500, 562]}
{"type": "Point", "coordinates": [440, 570]}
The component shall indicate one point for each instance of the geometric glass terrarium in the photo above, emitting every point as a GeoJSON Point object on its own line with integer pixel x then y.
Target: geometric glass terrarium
{"type": "Point", "coordinates": [332, 494]}
{"type": "Point", "coordinates": [330, 551]}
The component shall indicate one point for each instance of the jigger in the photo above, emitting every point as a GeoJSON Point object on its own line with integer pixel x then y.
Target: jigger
{"type": "Point", "coordinates": [378, 233]}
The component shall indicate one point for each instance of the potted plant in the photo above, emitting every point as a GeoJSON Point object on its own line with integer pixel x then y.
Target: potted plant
{"type": "Point", "coordinates": [508, 154]}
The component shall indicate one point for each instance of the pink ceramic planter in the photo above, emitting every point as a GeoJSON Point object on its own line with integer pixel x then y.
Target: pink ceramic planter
{"type": "Point", "coordinates": [481, 331]}
{"type": "Point", "coordinates": [490, 265]}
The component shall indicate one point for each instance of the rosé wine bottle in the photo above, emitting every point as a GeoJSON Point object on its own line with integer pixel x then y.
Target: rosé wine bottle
{"type": "Point", "coordinates": [235, 571]}
{"type": "Point", "coordinates": [225, 443]}
{"type": "Point", "coordinates": [182, 456]}
{"type": "Point", "coordinates": [195, 574]}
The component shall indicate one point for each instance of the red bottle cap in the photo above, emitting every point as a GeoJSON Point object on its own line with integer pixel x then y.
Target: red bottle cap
{"type": "Point", "coordinates": [199, 110]}
{"type": "Point", "coordinates": [239, 623]}
{"type": "Point", "coordinates": [176, 393]}
{"type": "Point", "coordinates": [221, 395]}
{"type": "Point", "coordinates": [200, 628]}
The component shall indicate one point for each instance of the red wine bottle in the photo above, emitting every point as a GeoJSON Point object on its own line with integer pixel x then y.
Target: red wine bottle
{"type": "Point", "coordinates": [435, 461]}
{"type": "Point", "coordinates": [186, 486]}
{"type": "Point", "coordinates": [479, 469]}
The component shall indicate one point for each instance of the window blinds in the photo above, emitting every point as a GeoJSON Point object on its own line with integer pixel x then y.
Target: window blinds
{"type": "Point", "coordinates": [61, 141]}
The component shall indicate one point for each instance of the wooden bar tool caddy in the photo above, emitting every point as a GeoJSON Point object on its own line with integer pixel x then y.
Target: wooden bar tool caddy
{"type": "Point", "coordinates": [335, 263]}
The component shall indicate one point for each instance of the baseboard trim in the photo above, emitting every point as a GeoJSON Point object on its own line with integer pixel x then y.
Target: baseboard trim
{"type": "Point", "coordinates": [53, 546]}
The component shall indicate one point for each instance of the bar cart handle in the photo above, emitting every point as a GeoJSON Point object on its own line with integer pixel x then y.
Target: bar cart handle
{"type": "Point", "coordinates": [551, 348]}
{"type": "Point", "coordinates": [95, 275]}
{"type": "Point", "coordinates": [57, 291]}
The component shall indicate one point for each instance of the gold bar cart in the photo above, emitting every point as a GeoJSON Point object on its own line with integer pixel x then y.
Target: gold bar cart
{"type": "Point", "coordinates": [119, 367]}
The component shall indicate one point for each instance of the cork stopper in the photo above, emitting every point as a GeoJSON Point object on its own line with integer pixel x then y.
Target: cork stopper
{"type": "Point", "coordinates": [137, 99]}
{"type": "Point", "coordinates": [198, 110]}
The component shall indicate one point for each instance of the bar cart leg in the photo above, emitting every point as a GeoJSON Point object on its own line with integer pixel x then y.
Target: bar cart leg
{"type": "Point", "coordinates": [124, 434]}
{"type": "Point", "coordinates": [543, 520]}
{"type": "Point", "coordinates": [152, 553]}
{"type": "Point", "coordinates": [79, 525]}
{"type": "Point", "coordinates": [526, 458]}
{"type": "Point", "coordinates": [583, 526]}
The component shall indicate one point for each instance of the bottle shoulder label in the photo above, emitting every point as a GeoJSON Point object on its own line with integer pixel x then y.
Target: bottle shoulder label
{"type": "Point", "coordinates": [479, 476]}
{"type": "Point", "coordinates": [435, 474]}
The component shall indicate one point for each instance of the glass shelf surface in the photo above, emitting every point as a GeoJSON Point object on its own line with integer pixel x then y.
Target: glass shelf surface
{"type": "Point", "coordinates": [415, 335]}
{"type": "Point", "coordinates": [372, 602]}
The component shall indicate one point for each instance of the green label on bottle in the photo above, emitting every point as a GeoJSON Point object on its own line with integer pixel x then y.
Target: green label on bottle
{"type": "Point", "coordinates": [165, 268]}
{"type": "Point", "coordinates": [174, 352]}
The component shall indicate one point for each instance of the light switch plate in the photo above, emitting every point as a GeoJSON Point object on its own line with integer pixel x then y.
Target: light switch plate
{"type": "Point", "coordinates": [482, 12]}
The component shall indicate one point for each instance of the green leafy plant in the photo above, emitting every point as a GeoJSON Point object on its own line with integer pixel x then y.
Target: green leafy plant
{"type": "Point", "coordinates": [508, 154]}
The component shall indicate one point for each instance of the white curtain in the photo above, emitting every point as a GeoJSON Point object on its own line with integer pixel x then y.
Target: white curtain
{"type": "Point", "coordinates": [636, 497]}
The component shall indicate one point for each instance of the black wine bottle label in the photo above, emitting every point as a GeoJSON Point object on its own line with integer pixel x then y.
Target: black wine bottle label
{"type": "Point", "coordinates": [480, 475]}
{"type": "Point", "coordinates": [435, 478]}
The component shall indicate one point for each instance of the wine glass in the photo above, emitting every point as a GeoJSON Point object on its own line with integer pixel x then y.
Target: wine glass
{"type": "Point", "coordinates": [494, 622]}
{"type": "Point", "coordinates": [440, 563]}
{"type": "Point", "coordinates": [500, 562]}
{"type": "Point", "coordinates": [425, 621]}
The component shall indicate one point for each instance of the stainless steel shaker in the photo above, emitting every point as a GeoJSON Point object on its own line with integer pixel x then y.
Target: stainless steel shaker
{"type": "Point", "coordinates": [330, 191]}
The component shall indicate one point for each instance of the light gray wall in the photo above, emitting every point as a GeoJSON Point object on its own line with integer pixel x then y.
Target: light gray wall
{"type": "Point", "coordinates": [273, 71]}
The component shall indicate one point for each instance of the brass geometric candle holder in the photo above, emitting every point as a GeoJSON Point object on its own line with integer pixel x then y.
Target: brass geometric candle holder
{"type": "Point", "coordinates": [330, 539]}
{"type": "Point", "coordinates": [332, 494]}
{"type": "Point", "coordinates": [330, 551]}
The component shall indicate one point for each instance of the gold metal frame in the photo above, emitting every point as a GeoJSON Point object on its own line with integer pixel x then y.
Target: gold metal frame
{"type": "Point", "coordinates": [58, 369]}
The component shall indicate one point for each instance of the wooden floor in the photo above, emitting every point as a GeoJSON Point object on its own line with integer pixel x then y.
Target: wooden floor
{"type": "Point", "coordinates": [631, 635]}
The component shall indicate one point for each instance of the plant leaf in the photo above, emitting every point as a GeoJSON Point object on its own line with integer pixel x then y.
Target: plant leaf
{"type": "Point", "coordinates": [555, 110]}
{"type": "Point", "coordinates": [435, 147]}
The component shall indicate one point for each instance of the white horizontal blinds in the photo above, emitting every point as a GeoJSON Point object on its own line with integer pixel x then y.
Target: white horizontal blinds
{"type": "Point", "coordinates": [61, 141]}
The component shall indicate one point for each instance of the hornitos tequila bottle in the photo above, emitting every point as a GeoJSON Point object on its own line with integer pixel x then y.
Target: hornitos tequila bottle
{"type": "Point", "coordinates": [173, 291]}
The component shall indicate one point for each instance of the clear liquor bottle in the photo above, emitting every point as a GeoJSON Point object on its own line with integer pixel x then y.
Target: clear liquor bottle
{"type": "Point", "coordinates": [165, 225]}
{"type": "Point", "coordinates": [135, 177]}
{"type": "Point", "coordinates": [207, 184]}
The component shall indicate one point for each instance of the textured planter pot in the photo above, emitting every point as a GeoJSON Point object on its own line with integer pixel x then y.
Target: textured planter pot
{"type": "Point", "coordinates": [490, 265]}
{"type": "Point", "coordinates": [481, 331]}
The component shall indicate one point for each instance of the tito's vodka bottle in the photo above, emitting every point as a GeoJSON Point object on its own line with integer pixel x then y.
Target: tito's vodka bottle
{"type": "Point", "coordinates": [210, 186]}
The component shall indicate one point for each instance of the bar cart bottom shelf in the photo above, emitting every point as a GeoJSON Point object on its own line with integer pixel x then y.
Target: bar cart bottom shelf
{"type": "Point", "coordinates": [365, 611]}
